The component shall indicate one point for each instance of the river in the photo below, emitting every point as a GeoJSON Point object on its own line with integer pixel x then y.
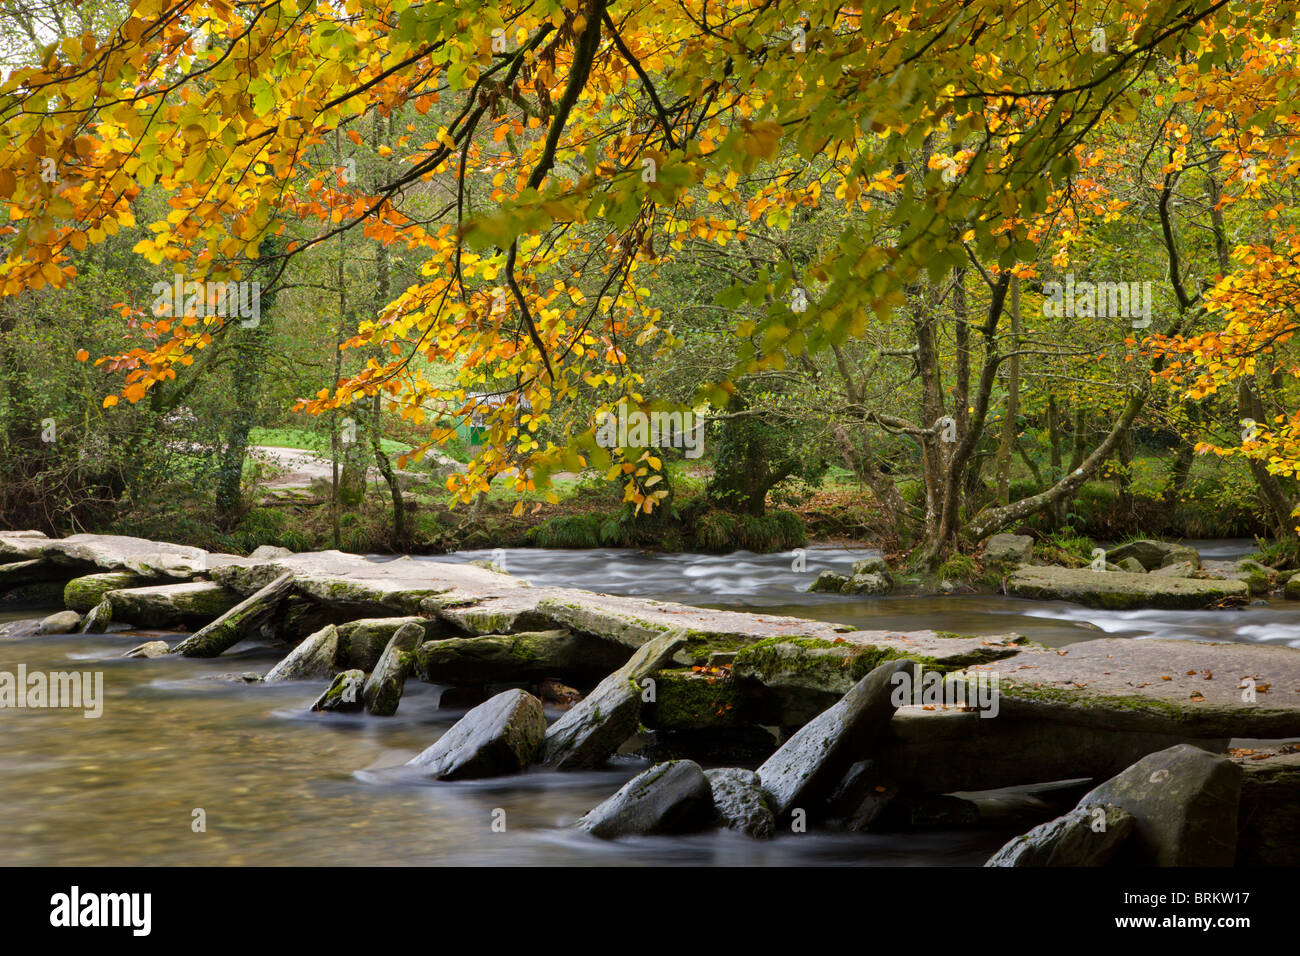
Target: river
{"type": "Point", "coordinates": [279, 785]}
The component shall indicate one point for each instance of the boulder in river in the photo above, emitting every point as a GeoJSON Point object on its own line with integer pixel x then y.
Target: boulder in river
{"type": "Point", "coordinates": [829, 581]}
{"type": "Point", "coordinates": [739, 802]}
{"type": "Point", "coordinates": [866, 583]}
{"type": "Point", "coordinates": [62, 622]}
{"type": "Point", "coordinates": [97, 621]}
{"type": "Point", "coordinates": [672, 797]}
{"type": "Point", "coordinates": [1086, 836]}
{"type": "Point", "coordinates": [383, 690]}
{"type": "Point", "coordinates": [149, 649]}
{"type": "Point", "coordinates": [589, 732]}
{"type": "Point", "coordinates": [1131, 565]}
{"type": "Point", "coordinates": [362, 642]}
{"type": "Point", "coordinates": [316, 656]}
{"type": "Point", "coordinates": [343, 693]}
{"type": "Point", "coordinates": [497, 737]}
{"type": "Point", "coordinates": [805, 769]}
{"type": "Point", "coordinates": [1184, 801]}
{"type": "Point", "coordinates": [19, 628]}
{"type": "Point", "coordinates": [1120, 590]}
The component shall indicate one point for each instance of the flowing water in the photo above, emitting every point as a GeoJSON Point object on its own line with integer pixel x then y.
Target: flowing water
{"type": "Point", "coordinates": [277, 784]}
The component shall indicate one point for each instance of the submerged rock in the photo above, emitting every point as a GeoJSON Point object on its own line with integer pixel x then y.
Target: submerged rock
{"type": "Point", "coordinates": [594, 728]}
{"type": "Point", "coordinates": [672, 797]}
{"type": "Point", "coordinates": [343, 693]}
{"type": "Point", "coordinates": [805, 769]}
{"type": "Point", "coordinates": [1086, 836]}
{"type": "Point", "coordinates": [316, 657]}
{"type": "Point", "coordinates": [383, 690]}
{"type": "Point", "coordinates": [497, 737]}
{"type": "Point", "coordinates": [1184, 801]}
{"type": "Point", "coordinates": [739, 802]}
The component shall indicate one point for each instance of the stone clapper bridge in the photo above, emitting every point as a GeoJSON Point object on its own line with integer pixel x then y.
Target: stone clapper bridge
{"type": "Point", "coordinates": [706, 683]}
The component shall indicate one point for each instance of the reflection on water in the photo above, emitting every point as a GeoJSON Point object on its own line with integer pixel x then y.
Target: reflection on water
{"type": "Point", "coordinates": [280, 785]}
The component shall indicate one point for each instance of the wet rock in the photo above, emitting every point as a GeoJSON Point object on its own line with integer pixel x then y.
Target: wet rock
{"type": "Point", "coordinates": [316, 657]}
{"type": "Point", "coordinates": [20, 629]}
{"type": "Point", "coordinates": [239, 622]}
{"type": "Point", "coordinates": [830, 581]}
{"type": "Point", "coordinates": [929, 812]}
{"type": "Point", "coordinates": [673, 797]}
{"type": "Point", "coordinates": [594, 728]}
{"type": "Point", "coordinates": [1009, 548]}
{"type": "Point", "coordinates": [1155, 554]}
{"type": "Point", "coordinates": [866, 584]}
{"type": "Point", "coordinates": [170, 605]}
{"type": "Point", "coordinates": [64, 622]}
{"type": "Point", "coordinates": [1131, 565]}
{"type": "Point", "coordinates": [83, 593]}
{"type": "Point", "coordinates": [36, 594]}
{"type": "Point", "coordinates": [860, 798]}
{"type": "Point", "coordinates": [1184, 802]}
{"type": "Point", "coordinates": [99, 618]}
{"type": "Point", "coordinates": [361, 643]}
{"type": "Point", "coordinates": [1120, 590]}
{"type": "Point", "coordinates": [1179, 569]}
{"type": "Point", "coordinates": [383, 690]}
{"type": "Point", "coordinates": [725, 745]}
{"type": "Point", "coordinates": [1086, 836]}
{"type": "Point", "coordinates": [739, 803]}
{"type": "Point", "coordinates": [809, 765]}
{"type": "Point", "coordinates": [518, 657]}
{"type": "Point", "coordinates": [343, 693]}
{"type": "Point", "coordinates": [497, 737]}
{"type": "Point", "coordinates": [149, 649]}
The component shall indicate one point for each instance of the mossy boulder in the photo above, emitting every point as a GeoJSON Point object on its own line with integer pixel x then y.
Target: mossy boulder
{"type": "Point", "coordinates": [829, 582]}
{"type": "Point", "coordinates": [1008, 549]}
{"type": "Point", "coordinates": [866, 584]}
{"type": "Point", "coordinates": [686, 699]}
{"type": "Point", "coordinates": [83, 593]}
{"type": "Point", "coordinates": [518, 657]}
{"type": "Point", "coordinates": [343, 693]}
{"type": "Point", "coordinates": [1153, 554]}
{"type": "Point", "coordinates": [361, 642]}
{"type": "Point", "coordinates": [383, 690]}
{"type": "Point", "coordinates": [194, 603]}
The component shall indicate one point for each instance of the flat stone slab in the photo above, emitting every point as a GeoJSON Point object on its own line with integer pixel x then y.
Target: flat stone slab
{"type": "Point", "coordinates": [1193, 688]}
{"type": "Point", "coordinates": [1119, 590]}
{"type": "Point", "coordinates": [86, 553]}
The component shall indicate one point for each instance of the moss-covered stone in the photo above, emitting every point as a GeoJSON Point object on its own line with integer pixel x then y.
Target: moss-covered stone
{"type": "Point", "coordinates": [686, 699]}
{"type": "Point", "coordinates": [83, 593]}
